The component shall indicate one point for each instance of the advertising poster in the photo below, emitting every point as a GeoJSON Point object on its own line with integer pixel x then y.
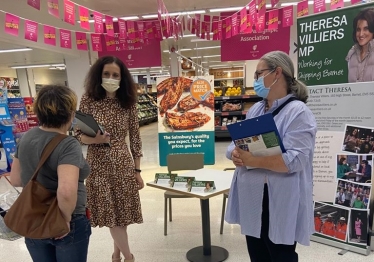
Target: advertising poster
{"type": "Point", "coordinates": [186, 117]}
{"type": "Point", "coordinates": [345, 32]}
{"type": "Point", "coordinates": [18, 115]}
{"type": "Point", "coordinates": [31, 116]}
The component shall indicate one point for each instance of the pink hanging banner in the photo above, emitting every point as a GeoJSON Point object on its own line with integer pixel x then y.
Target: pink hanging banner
{"type": "Point", "coordinates": [31, 30]}
{"type": "Point", "coordinates": [49, 35]}
{"type": "Point", "coordinates": [220, 30]}
{"type": "Point", "coordinates": [302, 8]}
{"type": "Point", "coordinates": [109, 25]}
{"type": "Point", "coordinates": [193, 28]}
{"type": "Point", "coordinates": [69, 12]}
{"type": "Point", "coordinates": [189, 24]}
{"type": "Point", "coordinates": [197, 25]}
{"type": "Point", "coordinates": [131, 29]}
{"type": "Point", "coordinates": [96, 43]}
{"type": "Point", "coordinates": [11, 24]}
{"type": "Point", "coordinates": [228, 28]}
{"type": "Point", "coordinates": [53, 8]}
{"type": "Point", "coordinates": [34, 3]}
{"type": "Point", "coordinates": [122, 45]}
{"type": "Point", "coordinates": [260, 25]}
{"type": "Point", "coordinates": [122, 29]}
{"type": "Point", "coordinates": [110, 43]}
{"type": "Point", "coordinates": [273, 18]}
{"type": "Point", "coordinates": [203, 26]}
{"type": "Point", "coordinates": [141, 30]}
{"type": "Point", "coordinates": [84, 15]}
{"type": "Point", "coordinates": [243, 19]}
{"type": "Point", "coordinates": [207, 26]}
{"type": "Point", "coordinates": [253, 11]}
{"type": "Point", "coordinates": [249, 28]}
{"type": "Point", "coordinates": [98, 23]}
{"type": "Point", "coordinates": [335, 4]}
{"type": "Point", "coordinates": [157, 30]}
{"type": "Point", "coordinates": [215, 28]}
{"type": "Point", "coordinates": [261, 7]}
{"type": "Point", "coordinates": [164, 30]}
{"type": "Point", "coordinates": [274, 3]}
{"type": "Point", "coordinates": [355, 1]}
{"type": "Point", "coordinates": [319, 6]}
{"type": "Point", "coordinates": [149, 30]}
{"type": "Point", "coordinates": [287, 19]}
{"type": "Point", "coordinates": [234, 25]}
{"type": "Point", "coordinates": [65, 38]}
{"type": "Point", "coordinates": [81, 40]}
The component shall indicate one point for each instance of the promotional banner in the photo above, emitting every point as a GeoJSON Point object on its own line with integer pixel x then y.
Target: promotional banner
{"type": "Point", "coordinates": [273, 19]}
{"type": "Point", "coordinates": [122, 29]}
{"type": "Point", "coordinates": [186, 117]}
{"type": "Point", "coordinates": [11, 24]}
{"type": "Point", "coordinates": [287, 16]}
{"type": "Point", "coordinates": [34, 3]}
{"type": "Point", "coordinates": [18, 115]}
{"type": "Point", "coordinates": [98, 22]}
{"type": "Point", "coordinates": [321, 33]}
{"type": "Point", "coordinates": [53, 8]}
{"type": "Point", "coordinates": [65, 38]}
{"type": "Point", "coordinates": [81, 41]}
{"type": "Point", "coordinates": [256, 44]}
{"type": "Point", "coordinates": [84, 17]}
{"type": "Point", "coordinates": [31, 30]}
{"type": "Point", "coordinates": [302, 8]}
{"type": "Point", "coordinates": [319, 6]}
{"type": "Point", "coordinates": [143, 56]}
{"type": "Point", "coordinates": [69, 12]}
{"type": "Point", "coordinates": [49, 35]}
{"type": "Point", "coordinates": [31, 116]}
{"type": "Point", "coordinates": [109, 25]}
{"type": "Point", "coordinates": [96, 43]}
{"type": "Point", "coordinates": [335, 4]}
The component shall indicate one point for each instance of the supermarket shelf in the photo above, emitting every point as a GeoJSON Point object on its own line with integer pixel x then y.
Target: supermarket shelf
{"type": "Point", "coordinates": [230, 113]}
{"type": "Point", "coordinates": [221, 98]}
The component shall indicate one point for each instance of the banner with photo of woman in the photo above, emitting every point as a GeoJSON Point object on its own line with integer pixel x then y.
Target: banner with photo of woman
{"type": "Point", "coordinates": [337, 46]}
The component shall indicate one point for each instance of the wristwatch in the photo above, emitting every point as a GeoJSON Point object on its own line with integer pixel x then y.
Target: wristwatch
{"type": "Point", "coordinates": [137, 170]}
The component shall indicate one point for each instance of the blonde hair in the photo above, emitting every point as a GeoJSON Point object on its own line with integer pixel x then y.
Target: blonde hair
{"type": "Point", "coordinates": [280, 59]}
{"type": "Point", "coordinates": [55, 105]}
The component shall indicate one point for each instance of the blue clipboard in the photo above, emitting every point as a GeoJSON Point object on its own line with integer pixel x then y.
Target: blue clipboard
{"type": "Point", "coordinates": [254, 127]}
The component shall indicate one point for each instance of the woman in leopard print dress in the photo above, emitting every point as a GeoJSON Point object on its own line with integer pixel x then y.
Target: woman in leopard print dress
{"type": "Point", "coordinates": [114, 183]}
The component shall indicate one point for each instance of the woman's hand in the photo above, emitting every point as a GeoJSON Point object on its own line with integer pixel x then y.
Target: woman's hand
{"type": "Point", "coordinates": [241, 157]}
{"type": "Point", "coordinates": [139, 178]}
{"type": "Point", "coordinates": [102, 138]}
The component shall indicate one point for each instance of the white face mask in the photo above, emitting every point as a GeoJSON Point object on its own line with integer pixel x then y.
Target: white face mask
{"type": "Point", "coordinates": [109, 84]}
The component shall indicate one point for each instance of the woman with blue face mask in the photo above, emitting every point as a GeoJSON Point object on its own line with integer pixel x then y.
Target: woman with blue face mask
{"type": "Point", "coordinates": [274, 219]}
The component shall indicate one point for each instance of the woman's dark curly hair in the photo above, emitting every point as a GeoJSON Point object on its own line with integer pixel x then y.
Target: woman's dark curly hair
{"type": "Point", "coordinates": [126, 94]}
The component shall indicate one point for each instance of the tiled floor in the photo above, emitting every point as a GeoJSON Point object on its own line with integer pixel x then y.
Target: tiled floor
{"type": "Point", "coordinates": [148, 242]}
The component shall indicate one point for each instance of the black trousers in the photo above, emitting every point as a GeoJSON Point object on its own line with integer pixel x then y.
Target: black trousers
{"type": "Point", "coordinates": [263, 249]}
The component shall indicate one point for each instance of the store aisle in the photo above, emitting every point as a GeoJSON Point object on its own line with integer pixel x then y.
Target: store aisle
{"type": "Point", "coordinates": [147, 240]}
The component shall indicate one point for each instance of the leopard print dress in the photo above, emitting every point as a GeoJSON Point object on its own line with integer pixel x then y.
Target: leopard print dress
{"type": "Point", "coordinates": [112, 190]}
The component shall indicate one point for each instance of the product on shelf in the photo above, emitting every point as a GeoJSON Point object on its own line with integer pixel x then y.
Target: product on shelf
{"type": "Point", "coordinates": [217, 92]}
{"type": "Point", "coordinates": [217, 121]}
{"type": "Point", "coordinates": [233, 91]}
{"type": "Point", "coordinates": [232, 106]}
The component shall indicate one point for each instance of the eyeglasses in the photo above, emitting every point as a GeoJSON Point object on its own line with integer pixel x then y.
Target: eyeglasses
{"type": "Point", "coordinates": [259, 72]}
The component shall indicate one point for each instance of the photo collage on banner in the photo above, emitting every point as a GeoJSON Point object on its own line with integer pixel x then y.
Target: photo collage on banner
{"type": "Point", "coordinates": [186, 116]}
{"type": "Point", "coordinates": [340, 97]}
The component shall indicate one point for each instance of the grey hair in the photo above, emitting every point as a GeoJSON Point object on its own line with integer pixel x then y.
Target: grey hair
{"type": "Point", "coordinates": [280, 59]}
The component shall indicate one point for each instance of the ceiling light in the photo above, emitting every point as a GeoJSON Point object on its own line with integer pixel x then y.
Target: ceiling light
{"type": "Point", "coordinates": [205, 56]}
{"type": "Point", "coordinates": [129, 18]}
{"type": "Point", "coordinates": [217, 10]}
{"type": "Point", "coordinates": [207, 47]}
{"type": "Point", "coordinates": [149, 16]}
{"type": "Point", "coordinates": [15, 50]}
{"type": "Point", "coordinates": [36, 66]}
{"type": "Point", "coordinates": [233, 71]}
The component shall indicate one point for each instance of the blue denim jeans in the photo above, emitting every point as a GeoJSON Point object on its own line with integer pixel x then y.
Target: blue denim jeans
{"type": "Point", "coordinates": [72, 248]}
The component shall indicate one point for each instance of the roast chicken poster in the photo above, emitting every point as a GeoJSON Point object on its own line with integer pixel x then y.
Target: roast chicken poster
{"type": "Point", "coordinates": [186, 116]}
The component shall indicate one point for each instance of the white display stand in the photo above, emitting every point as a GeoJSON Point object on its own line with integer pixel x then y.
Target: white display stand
{"type": "Point", "coordinates": [222, 180]}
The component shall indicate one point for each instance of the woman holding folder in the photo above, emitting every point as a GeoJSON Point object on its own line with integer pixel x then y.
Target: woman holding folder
{"type": "Point", "coordinates": [273, 219]}
{"type": "Point", "coordinates": [115, 180]}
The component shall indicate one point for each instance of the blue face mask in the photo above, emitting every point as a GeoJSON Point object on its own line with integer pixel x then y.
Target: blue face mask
{"type": "Point", "coordinates": [260, 88]}
{"type": "Point", "coordinates": [73, 124]}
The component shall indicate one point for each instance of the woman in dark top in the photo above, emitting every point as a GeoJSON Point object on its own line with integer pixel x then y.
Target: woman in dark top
{"type": "Point", "coordinates": [343, 168]}
{"type": "Point", "coordinates": [63, 173]}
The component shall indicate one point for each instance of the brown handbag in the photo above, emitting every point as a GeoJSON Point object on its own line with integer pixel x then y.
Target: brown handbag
{"type": "Point", "coordinates": [35, 214]}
